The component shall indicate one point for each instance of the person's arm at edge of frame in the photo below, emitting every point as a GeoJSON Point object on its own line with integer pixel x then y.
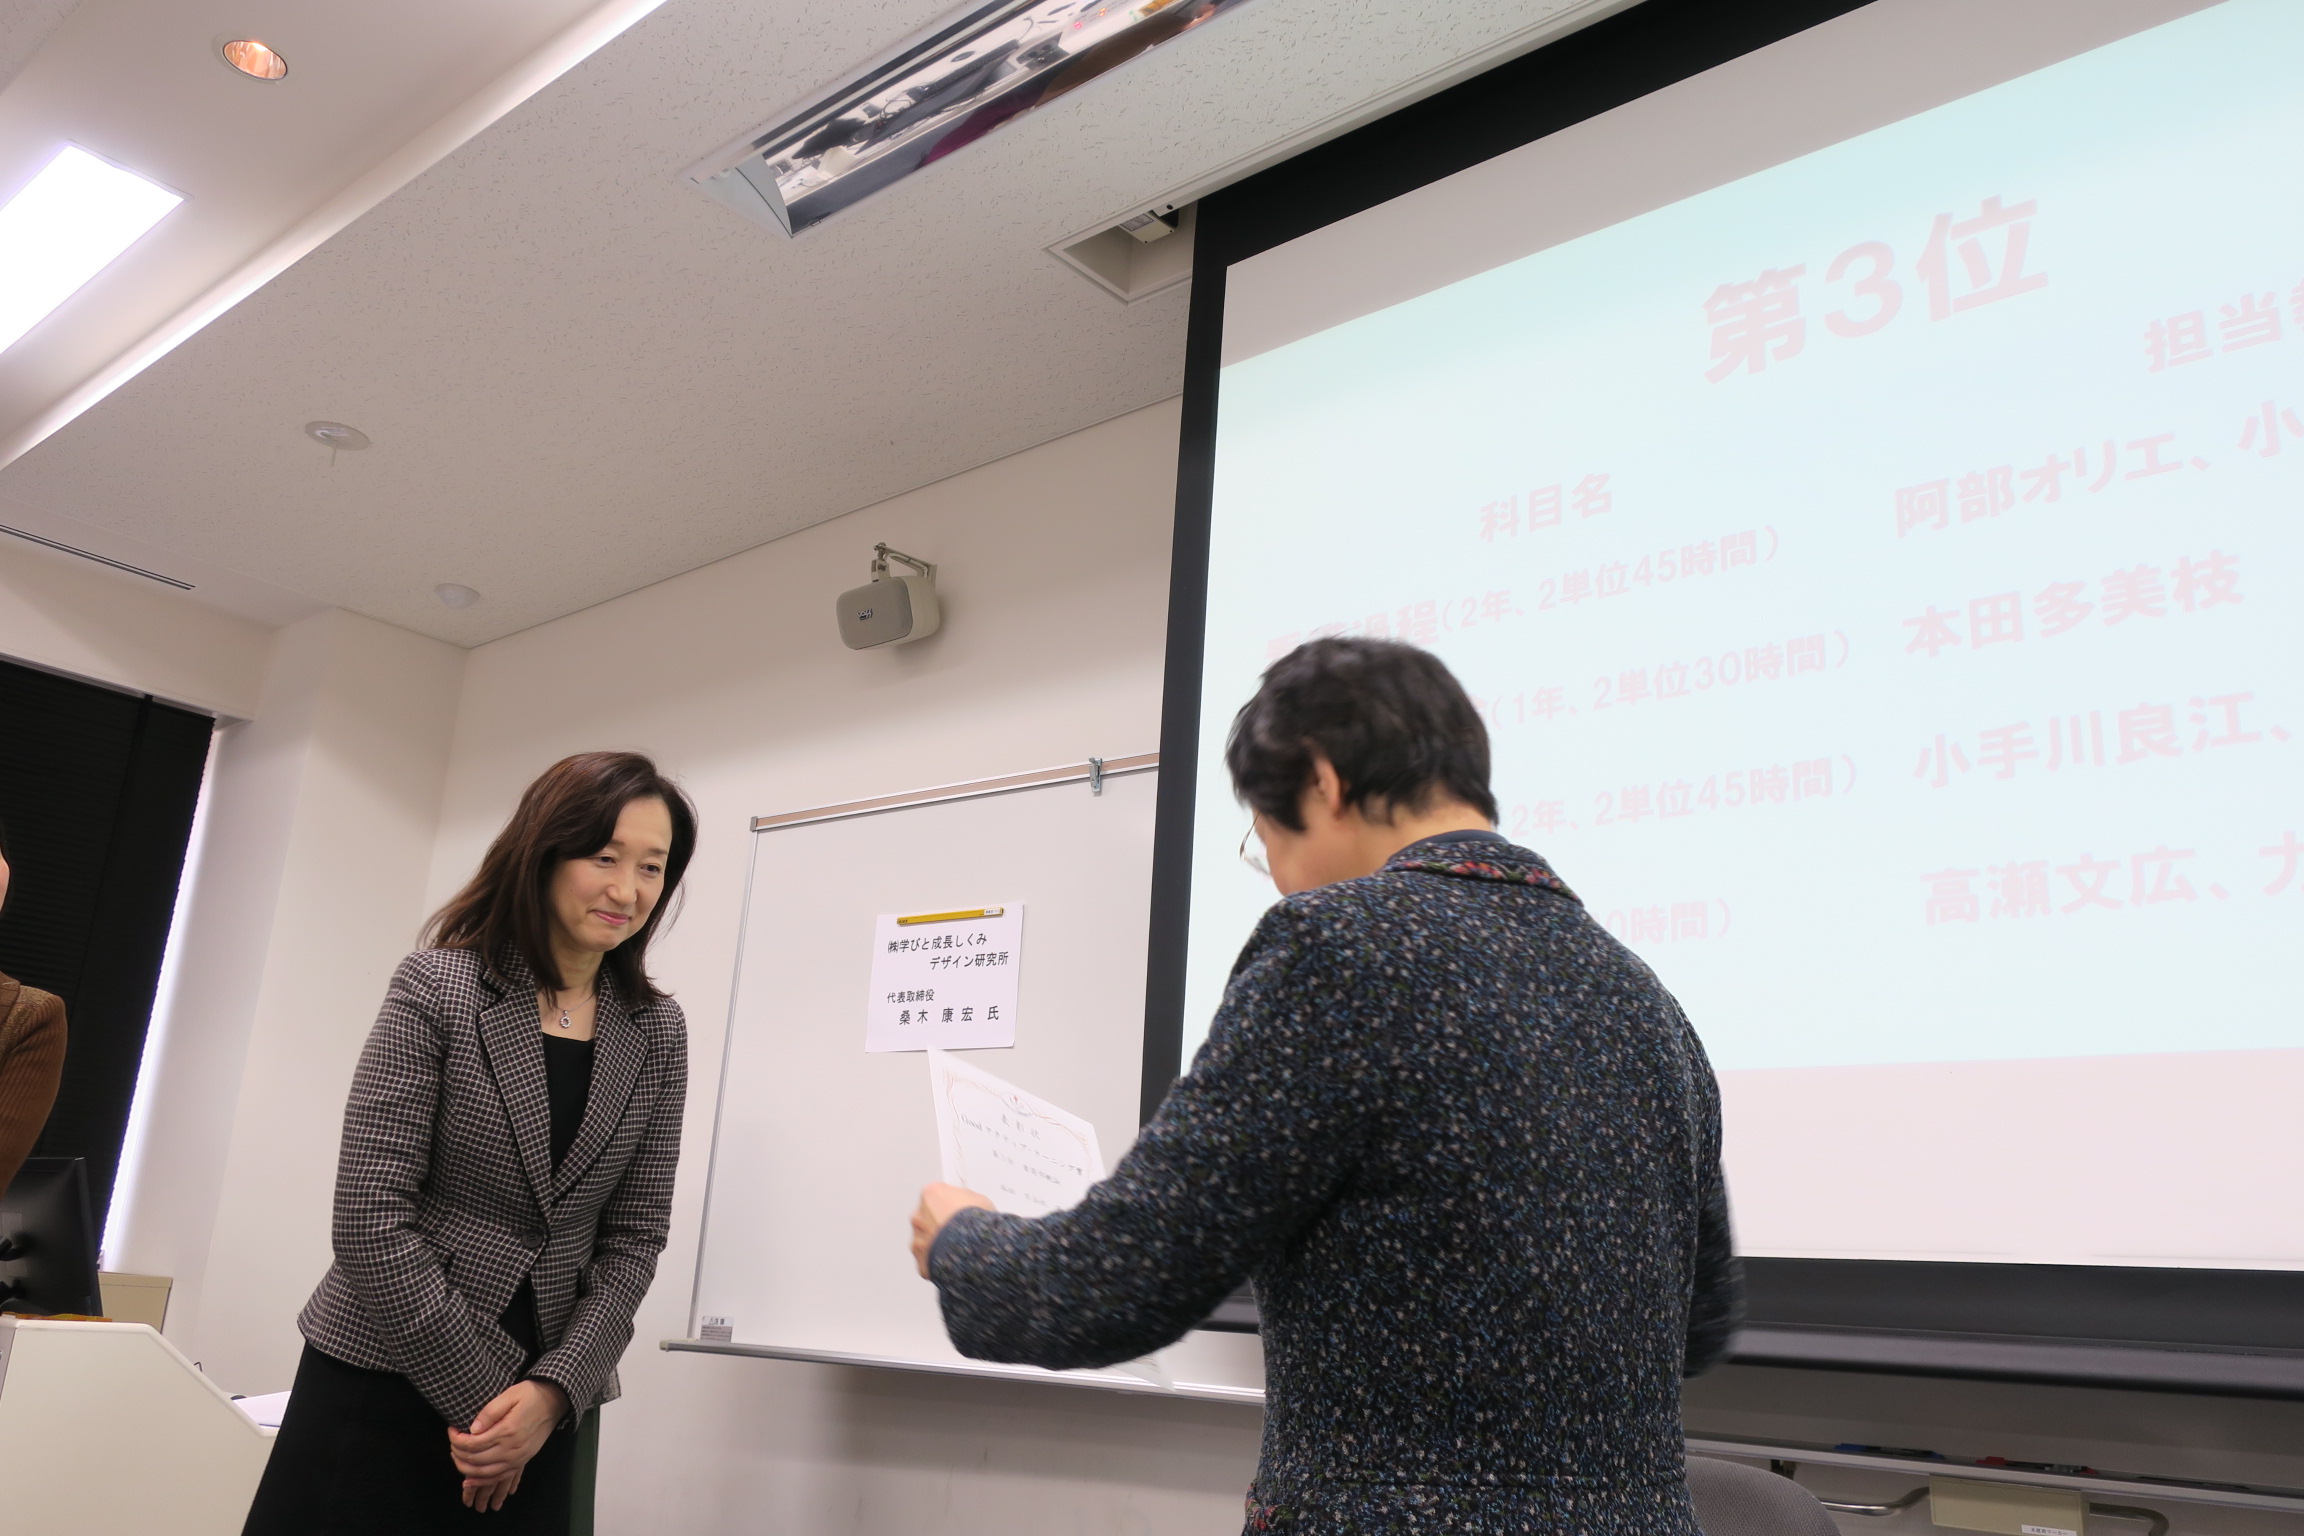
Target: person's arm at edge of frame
{"type": "Point", "coordinates": [1249, 1146]}
{"type": "Point", "coordinates": [387, 1155]}
{"type": "Point", "coordinates": [1716, 1307]}
{"type": "Point", "coordinates": [30, 1073]}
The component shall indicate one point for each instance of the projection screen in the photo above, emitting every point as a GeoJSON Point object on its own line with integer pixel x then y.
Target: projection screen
{"type": "Point", "coordinates": [1860, 484]}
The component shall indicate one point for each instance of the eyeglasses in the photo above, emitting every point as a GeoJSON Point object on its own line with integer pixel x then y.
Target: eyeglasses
{"type": "Point", "coordinates": [1252, 852]}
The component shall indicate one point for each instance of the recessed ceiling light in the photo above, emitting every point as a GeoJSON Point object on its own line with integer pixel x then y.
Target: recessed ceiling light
{"type": "Point", "coordinates": [454, 596]}
{"type": "Point", "coordinates": [334, 434]}
{"type": "Point", "coordinates": [67, 225]}
{"type": "Point", "coordinates": [251, 57]}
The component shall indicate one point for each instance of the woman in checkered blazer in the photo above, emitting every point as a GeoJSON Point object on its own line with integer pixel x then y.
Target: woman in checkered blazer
{"type": "Point", "coordinates": [505, 1181]}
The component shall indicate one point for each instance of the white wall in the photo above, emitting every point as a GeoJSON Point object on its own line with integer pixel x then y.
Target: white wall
{"type": "Point", "coordinates": [309, 886]}
{"type": "Point", "coordinates": [304, 887]}
{"type": "Point", "coordinates": [380, 764]}
{"type": "Point", "coordinates": [66, 615]}
{"type": "Point", "coordinates": [1055, 573]}
{"type": "Point", "coordinates": [1054, 579]}
{"type": "Point", "coordinates": [325, 839]}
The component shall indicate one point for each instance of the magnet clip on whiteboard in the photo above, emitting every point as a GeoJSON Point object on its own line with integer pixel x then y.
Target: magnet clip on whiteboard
{"type": "Point", "coordinates": [950, 917]}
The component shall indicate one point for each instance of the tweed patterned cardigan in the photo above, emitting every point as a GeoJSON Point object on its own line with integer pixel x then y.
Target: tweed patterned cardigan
{"type": "Point", "coordinates": [446, 1197]}
{"type": "Point", "coordinates": [1468, 1149]}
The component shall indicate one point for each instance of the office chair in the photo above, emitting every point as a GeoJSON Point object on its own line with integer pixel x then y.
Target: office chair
{"type": "Point", "coordinates": [1735, 1500]}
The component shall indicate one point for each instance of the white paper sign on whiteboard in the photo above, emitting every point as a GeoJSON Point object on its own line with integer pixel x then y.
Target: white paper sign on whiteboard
{"type": "Point", "coordinates": [1026, 1154]}
{"type": "Point", "coordinates": [945, 980]}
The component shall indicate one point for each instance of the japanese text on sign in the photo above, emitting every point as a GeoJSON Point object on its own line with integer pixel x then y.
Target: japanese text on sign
{"type": "Point", "coordinates": [946, 984]}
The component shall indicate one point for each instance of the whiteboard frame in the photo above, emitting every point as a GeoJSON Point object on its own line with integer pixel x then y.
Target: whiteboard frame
{"type": "Point", "coordinates": [1107, 1381]}
{"type": "Point", "coordinates": [1093, 772]}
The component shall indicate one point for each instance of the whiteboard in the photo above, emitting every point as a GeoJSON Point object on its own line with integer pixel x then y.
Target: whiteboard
{"type": "Point", "coordinates": [819, 1149]}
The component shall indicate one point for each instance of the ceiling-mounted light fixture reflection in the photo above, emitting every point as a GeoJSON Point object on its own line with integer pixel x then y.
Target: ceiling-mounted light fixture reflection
{"type": "Point", "coordinates": [68, 224]}
{"type": "Point", "coordinates": [251, 57]}
{"type": "Point", "coordinates": [976, 69]}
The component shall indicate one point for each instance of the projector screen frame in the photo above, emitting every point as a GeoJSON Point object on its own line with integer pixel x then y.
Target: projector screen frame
{"type": "Point", "coordinates": [2215, 1332]}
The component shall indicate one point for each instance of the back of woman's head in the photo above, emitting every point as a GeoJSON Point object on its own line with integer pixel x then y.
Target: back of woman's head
{"type": "Point", "coordinates": [1396, 724]}
{"type": "Point", "coordinates": [570, 812]}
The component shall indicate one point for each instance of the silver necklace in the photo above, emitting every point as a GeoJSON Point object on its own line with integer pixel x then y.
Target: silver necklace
{"type": "Point", "coordinates": [565, 1021]}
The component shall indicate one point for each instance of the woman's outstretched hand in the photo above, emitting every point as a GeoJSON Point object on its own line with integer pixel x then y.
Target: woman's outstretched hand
{"type": "Point", "coordinates": [503, 1438]}
{"type": "Point", "coordinates": [939, 1203]}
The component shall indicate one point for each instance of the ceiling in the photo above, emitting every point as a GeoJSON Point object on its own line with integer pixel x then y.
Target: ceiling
{"type": "Point", "coordinates": [373, 95]}
{"type": "Point", "coordinates": [579, 374]}
{"type": "Point", "coordinates": [24, 26]}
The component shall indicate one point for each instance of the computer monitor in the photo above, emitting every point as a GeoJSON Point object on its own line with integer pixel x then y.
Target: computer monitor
{"type": "Point", "coordinates": [48, 1240]}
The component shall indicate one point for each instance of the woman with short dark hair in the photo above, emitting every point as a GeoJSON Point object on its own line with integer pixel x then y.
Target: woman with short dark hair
{"type": "Point", "coordinates": [505, 1183]}
{"type": "Point", "coordinates": [1462, 1140]}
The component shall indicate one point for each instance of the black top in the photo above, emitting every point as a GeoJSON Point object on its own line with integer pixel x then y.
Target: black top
{"type": "Point", "coordinates": [568, 1078]}
{"type": "Point", "coordinates": [1469, 1150]}
{"type": "Point", "coordinates": [568, 1082]}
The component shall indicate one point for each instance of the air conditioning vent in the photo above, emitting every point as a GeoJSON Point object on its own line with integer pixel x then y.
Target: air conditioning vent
{"type": "Point", "coordinates": [1135, 258]}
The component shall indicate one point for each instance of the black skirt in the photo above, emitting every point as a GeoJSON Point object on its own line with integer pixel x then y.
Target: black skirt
{"type": "Point", "coordinates": [362, 1452]}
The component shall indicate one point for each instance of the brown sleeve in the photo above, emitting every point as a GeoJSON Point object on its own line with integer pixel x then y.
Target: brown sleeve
{"type": "Point", "coordinates": [29, 1073]}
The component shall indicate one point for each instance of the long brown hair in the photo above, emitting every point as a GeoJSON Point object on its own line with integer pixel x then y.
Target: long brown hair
{"type": "Point", "coordinates": [568, 813]}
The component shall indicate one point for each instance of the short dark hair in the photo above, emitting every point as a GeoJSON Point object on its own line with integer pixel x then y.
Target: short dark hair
{"type": "Point", "coordinates": [1395, 723]}
{"type": "Point", "coordinates": [568, 813]}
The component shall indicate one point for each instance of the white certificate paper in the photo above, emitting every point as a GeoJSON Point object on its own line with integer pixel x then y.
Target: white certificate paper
{"type": "Point", "coordinates": [944, 982]}
{"type": "Point", "coordinates": [1025, 1154]}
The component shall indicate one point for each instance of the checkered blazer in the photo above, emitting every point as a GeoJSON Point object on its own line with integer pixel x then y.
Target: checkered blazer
{"type": "Point", "coordinates": [446, 1198]}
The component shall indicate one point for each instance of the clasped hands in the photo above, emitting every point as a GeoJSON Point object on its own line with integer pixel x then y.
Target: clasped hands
{"type": "Point", "coordinates": [939, 1203]}
{"type": "Point", "coordinates": [505, 1436]}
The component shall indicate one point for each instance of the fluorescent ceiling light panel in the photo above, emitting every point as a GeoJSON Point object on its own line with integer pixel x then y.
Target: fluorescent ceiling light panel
{"type": "Point", "coordinates": [68, 224]}
{"type": "Point", "coordinates": [976, 69]}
